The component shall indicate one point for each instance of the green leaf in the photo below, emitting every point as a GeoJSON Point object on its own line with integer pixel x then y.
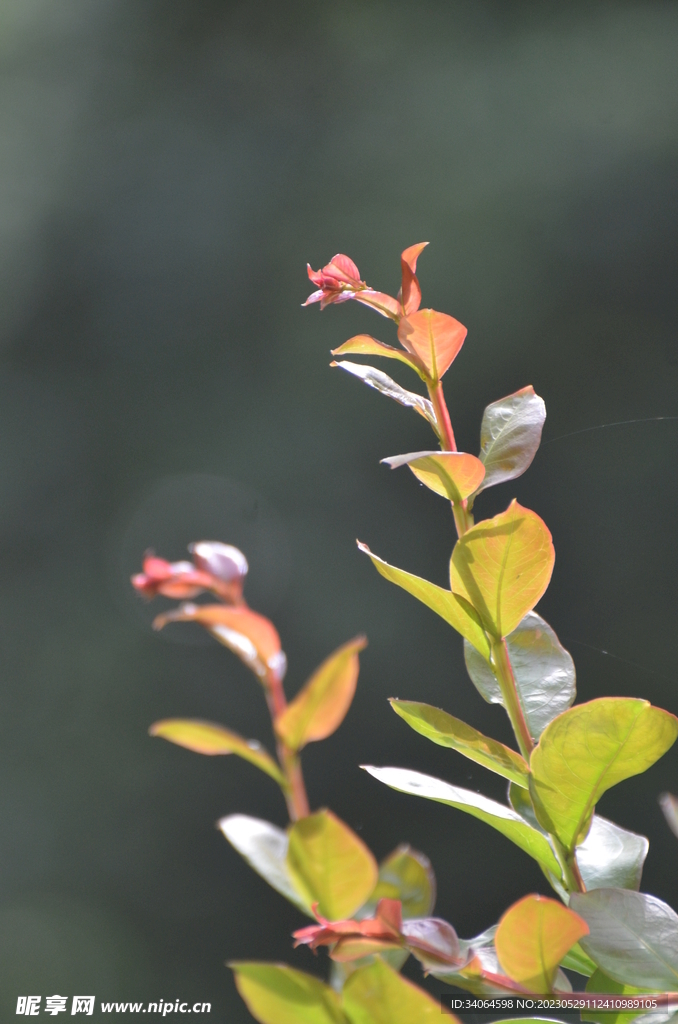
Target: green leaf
{"type": "Point", "coordinates": [599, 982]}
{"type": "Point", "coordinates": [366, 345]}
{"type": "Point", "coordinates": [278, 994]}
{"type": "Point", "coordinates": [209, 738]}
{"type": "Point", "coordinates": [669, 805]}
{"type": "Point", "coordinates": [382, 382]}
{"type": "Point", "coordinates": [433, 338]}
{"type": "Point", "coordinates": [319, 708]}
{"type": "Point", "coordinates": [532, 938]}
{"type": "Point", "coordinates": [264, 847]}
{"type": "Point", "coordinates": [502, 566]}
{"type": "Point", "coordinates": [510, 435]}
{"type": "Point", "coordinates": [587, 750]}
{"type": "Point", "coordinates": [454, 609]}
{"type": "Point", "coordinates": [447, 731]}
{"type": "Point", "coordinates": [611, 857]}
{"type": "Point", "coordinates": [379, 995]}
{"type": "Point", "coordinates": [543, 671]}
{"type": "Point", "coordinates": [405, 875]}
{"type": "Point", "coordinates": [454, 475]}
{"type": "Point", "coordinates": [503, 819]}
{"type": "Point", "coordinates": [633, 937]}
{"type": "Point", "coordinates": [577, 960]}
{"type": "Point", "coordinates": [330, 865]}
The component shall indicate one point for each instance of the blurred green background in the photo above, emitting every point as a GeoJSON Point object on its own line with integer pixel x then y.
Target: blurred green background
{"type": "Point", "coordinates": [167, 169]}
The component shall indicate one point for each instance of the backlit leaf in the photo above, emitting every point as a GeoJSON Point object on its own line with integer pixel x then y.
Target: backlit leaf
{"type": "Point", "coordinates": [503, 819]}
{"type": "Point", "coordinates": [599, 982]}
{"type": "Point", "coordinates": [379, 995]}
{"type": "Point", "coordinates": [543, 670]}
{"type": "Point", "coordinates": [502, 566]}
{"type": "Point", "coordinates": [447, 731]}
{"type": "Point", "coordinates": [319, 708]}
{"type": "Point", "coordinates": [611, 857]}
{"type": "Point", "coordinates": [209, 738]}
{"type": "Point", "coordinates": [410, 292]}
{"type": "Point", "coordinates": [633, 937]}
{"type": "Point", "coordinates": [532, 938]}
{"type": "Point", "coordinates": [510, 435]}
{"type": "Point", "coordinates": [278, 994]}
{"type": "Point", "coordinates": [330, 865]}
{"type": "Point", "coordinates": [577, 960]}
{"type": "Point", "coordinates": [454, 475]}
{"type": "Point", "coordinates": [433, 338]}
{"type": "Point", "coordinates": [454, 609]}
{"type": "Point", "coordinates": [365, 345]}
{"type": "Point", "coordinates": [587, 750]}
{"type": "Point", "coordinates": [251, 636]}
{"type": "Point", "coordinates": [669, 805]}
{"type": "Point", "coordinates": [405, 875]}
{"type": "Point", "coordinates": [382, 382]}
{"type": "Point", "coordinates": [264, 847]}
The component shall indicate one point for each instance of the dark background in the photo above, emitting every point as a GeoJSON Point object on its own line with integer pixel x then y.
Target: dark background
{"type": "Point", "coordinates": [167, 169]}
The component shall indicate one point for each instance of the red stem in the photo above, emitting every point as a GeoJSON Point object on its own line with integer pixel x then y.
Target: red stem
{"type": "Point", "coordinates": [297, 800]}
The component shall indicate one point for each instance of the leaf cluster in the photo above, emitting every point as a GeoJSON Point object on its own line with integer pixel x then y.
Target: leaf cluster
{"type": "Point", "coordinates": [372, 916]}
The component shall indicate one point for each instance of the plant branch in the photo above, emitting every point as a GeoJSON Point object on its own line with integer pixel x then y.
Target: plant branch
{"type": "Point", "coordinates": [507, 683]}
{"type": "Point", "coordinates": [295, 793]}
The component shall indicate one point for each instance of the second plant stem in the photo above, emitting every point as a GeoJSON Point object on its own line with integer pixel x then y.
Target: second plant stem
{"type": "Point", "coordinates": [295, 793]}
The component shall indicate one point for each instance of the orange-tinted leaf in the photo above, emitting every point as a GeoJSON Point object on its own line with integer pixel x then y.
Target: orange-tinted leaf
{"type": "Point", "coordinates": [532, 938]}
{"type": "Point", "coordinates": [502, 566]}
{"type": "Point", "coordinates": [330, 865]}
{"type": "Point", "coordinates": [251, 636]}
{"type": "Point", "coordinates": [435, 338]}
{"type": "Point", "coordinates": [410, 293]}
{"type": "Point", "coordinates": [320, 707]}
{"type": "Point", "coordinates": [365, 345]}
{"type": "Point", "coordinates": [454, 475]}
{"type": "Point", "coordinates": [209, 738]}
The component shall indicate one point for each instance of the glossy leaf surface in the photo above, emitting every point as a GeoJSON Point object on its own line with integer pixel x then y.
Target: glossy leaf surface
{"type": "Point", "coordinates": [633, 937]}
{"type": "Point", "coordinates": [611, 857]}
{"type": "Point", "coordinates": [433, 338]}
{"type": "Point", "coordinates": [447, 731]}
{"type": "Point", "coordinates": [599, 982]}
{"type": "Point", "coordinates": [532, 938]}
{"type": "Point", "coordinates": [251, 636]}
{"type": "Point", "coordinates": [589, 749]}
{"type": "Point", "coordinates": [382, 382]}
{"type": "Point", "coordinates": [379, 995]}
{"type": "Point", "coordinates": [503, 819]}
{"type": "Point", "coordinates": [543, 670]}
{"type": "Point", "coordinates": [365, 345]}
{"type": "Point", "coordinates": [278, 994]}
{"type": "Point", "coordinates": [405, 875]}
{"type": "Point", "coordinates": [669, 805]}
{"type": "Point", "coordinates": [454, 609]}
{"type": "Point", "coordinates": [502, 566]}
{"type": "Point", "coordinates": [319, 708]}
{"type": "Point", "coordinates": [454, 475]}
{"type": "Point", "coordinates": [209, 738]}
{"type": "Point", "coordinates": [510, 435]}
{"type": "Point", "coordinates": [330, 865]}
{"type": "Point", "coordinates": [264, 847]}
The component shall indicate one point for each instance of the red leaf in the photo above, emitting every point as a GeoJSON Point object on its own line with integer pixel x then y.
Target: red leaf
{"type": "Point", "coordinates": [435, 338]}
{"type": "Point", "coordinates": [410, 293]}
